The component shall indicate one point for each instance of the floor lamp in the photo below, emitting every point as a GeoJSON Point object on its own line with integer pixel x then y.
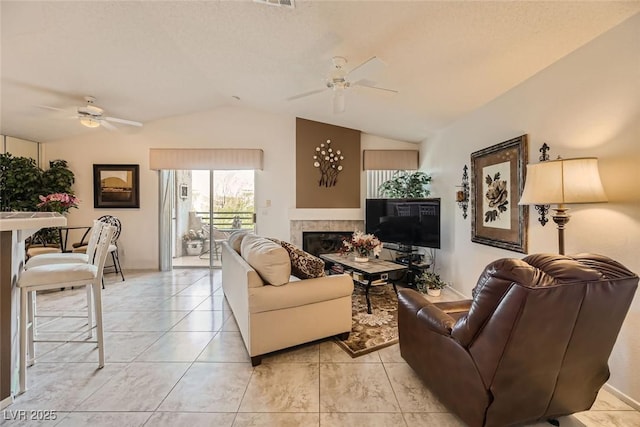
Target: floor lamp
{"type": "Point", "coordinates": [561, 182]}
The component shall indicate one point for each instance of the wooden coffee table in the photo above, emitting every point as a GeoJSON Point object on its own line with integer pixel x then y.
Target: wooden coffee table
{"type": "Point", "coordinates": [372, 271]}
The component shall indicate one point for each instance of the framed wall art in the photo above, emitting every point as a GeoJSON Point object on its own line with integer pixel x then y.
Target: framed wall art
{"type": "Point", "coordinates": [497, 180]}
{"type": "Point", "coordinates": [184, 191]}
{"type": "Point", "coordinates": [116, 186]}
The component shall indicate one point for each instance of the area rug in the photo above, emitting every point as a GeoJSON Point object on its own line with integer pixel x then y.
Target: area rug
{"type": "Point", "coordinates": [371, 332]}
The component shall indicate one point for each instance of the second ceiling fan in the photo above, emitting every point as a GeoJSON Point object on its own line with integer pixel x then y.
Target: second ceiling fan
{"type": "Point", "coordinates": [339, 80]}
{"type": "Point", "coordinates": [92, 116]}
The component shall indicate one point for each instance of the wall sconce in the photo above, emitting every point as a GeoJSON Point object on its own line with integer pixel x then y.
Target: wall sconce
{"type": "Point", "coordinates": [563, 181]}
{"type": "Point", "coordinates": [462, 195]}
{"type": "Point", "coordinates": [543, 210]}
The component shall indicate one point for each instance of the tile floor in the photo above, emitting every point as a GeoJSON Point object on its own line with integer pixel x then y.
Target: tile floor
{"type": "Point", "coordinates": [175, 358]}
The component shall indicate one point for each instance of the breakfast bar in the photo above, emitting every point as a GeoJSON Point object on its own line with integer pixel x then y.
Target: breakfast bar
{"type": "Point", "coordinates": [15, 228]}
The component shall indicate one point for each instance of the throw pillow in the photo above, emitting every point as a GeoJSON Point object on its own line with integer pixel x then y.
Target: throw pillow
{"type": "Point", "coordinates": [303, 264]}
{"type": "Point", "coordinates": [268, 259]}
{"type": "Point", "coordinates": [235, 239]}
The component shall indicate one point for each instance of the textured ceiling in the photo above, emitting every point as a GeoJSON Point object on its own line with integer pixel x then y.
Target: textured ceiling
{"type": "Point", "coordinates": [149, 60]}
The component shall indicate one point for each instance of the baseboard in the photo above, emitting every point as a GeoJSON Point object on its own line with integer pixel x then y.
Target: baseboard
{"type": "Point", "coordinates": [6, 402]}
{"type": "Point", "coordinates": [620, 395]}
{"type": "Point", "coordinates": [457, 292]}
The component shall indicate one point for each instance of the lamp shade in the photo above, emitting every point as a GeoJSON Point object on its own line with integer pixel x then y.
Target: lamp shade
{"type": "Point", "coordinates": [563, 181]}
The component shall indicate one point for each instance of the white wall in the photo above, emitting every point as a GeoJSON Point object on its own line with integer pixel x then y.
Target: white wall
{"type": "Point", "coordinates": [586, 104]}
{"type": "Point", "coordinates": [230, 127]}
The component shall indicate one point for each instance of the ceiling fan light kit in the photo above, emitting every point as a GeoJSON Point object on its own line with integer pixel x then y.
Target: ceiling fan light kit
{"type": "Point", "coordinates": [338, 101]}
{"type": "Point", "coordinates": [89, 122]}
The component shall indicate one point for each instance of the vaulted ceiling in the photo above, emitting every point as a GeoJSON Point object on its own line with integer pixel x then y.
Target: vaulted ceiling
{"type": "Point", "coordinates": [149, 60]}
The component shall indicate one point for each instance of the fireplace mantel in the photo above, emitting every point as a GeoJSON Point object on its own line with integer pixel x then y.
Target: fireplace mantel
{"type": "Point", "coordinates": [297, 226]}
{"type": "Point", "coordinates": [345, 214]}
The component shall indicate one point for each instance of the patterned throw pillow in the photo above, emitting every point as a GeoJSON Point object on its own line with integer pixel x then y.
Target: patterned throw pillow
{"type": "Point", "coordinates": [303, 264]}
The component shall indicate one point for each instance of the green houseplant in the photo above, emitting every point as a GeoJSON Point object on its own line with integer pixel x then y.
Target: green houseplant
{"type": "Point", "coordinates": [58, 178]}
{"type": "Point", "coordinates": [20, 183]}
{"type": "Point", "coordinates": [24, 187]}
{"type": "Point", "coordinates": [430, 283]}
{"type": "Point", "coordinates": [403, 184]}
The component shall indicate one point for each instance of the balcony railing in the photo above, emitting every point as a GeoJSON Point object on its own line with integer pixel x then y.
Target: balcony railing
{"type": "Point", "coordinates": [229, 220]}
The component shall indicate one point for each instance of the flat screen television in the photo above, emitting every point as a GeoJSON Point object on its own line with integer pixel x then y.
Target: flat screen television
{"type": "Point", "coordinates": [406, 222]}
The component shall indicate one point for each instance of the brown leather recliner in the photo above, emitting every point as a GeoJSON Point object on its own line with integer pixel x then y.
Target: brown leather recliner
{"type": "Point", "coordinates": [533, 343]}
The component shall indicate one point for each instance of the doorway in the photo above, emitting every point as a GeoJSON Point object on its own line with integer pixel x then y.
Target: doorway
{"type": "Point", "coordinates": [208, 206]}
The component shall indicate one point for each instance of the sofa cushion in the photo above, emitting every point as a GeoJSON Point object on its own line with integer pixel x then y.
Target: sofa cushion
{"type": "Point", "coordinates": [303, 264]}
{"type": "Point", "coordinates": [269, 259]}
{"type": "Point", "coordinates": [301, 293]}
{"type": "Point", "coordinates": [235, 239]}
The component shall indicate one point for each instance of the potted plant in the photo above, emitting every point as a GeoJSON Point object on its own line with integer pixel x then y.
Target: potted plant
{"type": "Point", "coordinates": [362, 245]}
{"type": "Point", "coordinates": [431, 283]}
{"type": "Point", "coordinates": [26, 187]}
{"type": "Point", "coordinates": [193, 241]}
{"type": "Point", "coordinates": [406, 185]}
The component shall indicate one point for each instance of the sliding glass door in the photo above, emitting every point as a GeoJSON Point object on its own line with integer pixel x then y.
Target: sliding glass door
{"type": "Point", "coordinates": [208, 206]}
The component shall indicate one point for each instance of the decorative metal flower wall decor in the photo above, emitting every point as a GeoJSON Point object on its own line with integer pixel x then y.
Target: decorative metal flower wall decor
{"type": "Point", "coordinates": [328, 161]}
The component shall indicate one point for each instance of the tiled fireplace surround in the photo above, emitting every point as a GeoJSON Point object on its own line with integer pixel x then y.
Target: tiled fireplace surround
{"type": "Point", "coordinates": [299, 226]}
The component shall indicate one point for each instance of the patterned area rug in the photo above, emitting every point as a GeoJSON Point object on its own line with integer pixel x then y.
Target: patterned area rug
{"type": "Point", "coordinates": [373, 331]}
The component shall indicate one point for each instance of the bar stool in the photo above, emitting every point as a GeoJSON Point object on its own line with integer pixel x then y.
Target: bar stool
{"type": "Point", "coordinates": [69, 257]}
{"type": "Point", "coordinates": [55, 276]}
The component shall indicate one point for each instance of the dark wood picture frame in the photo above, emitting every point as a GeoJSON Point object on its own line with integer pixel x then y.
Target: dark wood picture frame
{"type": "Point", "coordinates": [116, 186]}
{"type": "Point", "coordinates": [497, 182]}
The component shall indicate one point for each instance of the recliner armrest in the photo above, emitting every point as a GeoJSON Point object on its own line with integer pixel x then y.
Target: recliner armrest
{"type": "Point", "coordinates": [454, 306]}
{"type": "Point", "coordinates": [436, 319]}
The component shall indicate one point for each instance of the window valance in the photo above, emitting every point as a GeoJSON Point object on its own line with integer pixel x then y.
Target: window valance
{"type": "Point", "coordinates": [390, 159]}
{"type": "Point", "coordinates": [205, 158]}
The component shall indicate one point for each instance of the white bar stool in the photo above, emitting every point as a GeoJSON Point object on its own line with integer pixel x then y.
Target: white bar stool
{"type": "Point", "coordinates": [60, 275]}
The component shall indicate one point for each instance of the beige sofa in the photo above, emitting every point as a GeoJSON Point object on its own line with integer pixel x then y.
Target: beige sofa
{"type": "Point", "coordinates": [271, 318]}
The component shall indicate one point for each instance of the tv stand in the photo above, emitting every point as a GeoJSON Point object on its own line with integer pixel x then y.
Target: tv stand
{"type": "Point", "coordinates": [405, 248]}
{"type": "Point", "coordinates": [414, 262]}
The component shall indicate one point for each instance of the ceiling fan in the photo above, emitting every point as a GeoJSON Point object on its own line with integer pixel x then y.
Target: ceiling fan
{"type": "Point", "coordinates": [92, 116]}
{"type": "Point", "coordinates": [339, 80]}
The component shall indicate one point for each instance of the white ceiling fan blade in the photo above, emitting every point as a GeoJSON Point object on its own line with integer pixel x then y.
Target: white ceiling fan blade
{"type": "Point", "coordinates": [302, 95]}
{"type": "Point", "coordinates": [52, 108]}
{"type": "Point", "coordinates": [370, 66]}
{"type": "Point", "coordinates": [107, 125]}
{"type": "Point", "coordinates": [338, 101]}
{"type": "Point", "coordinates": [123, 121]}
{"type": "Point", "coordinates": [370, 85]}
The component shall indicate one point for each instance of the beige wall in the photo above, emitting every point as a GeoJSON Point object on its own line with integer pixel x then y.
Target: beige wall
{"type": "Point", "coordinates": [231, 127]}
{"type": "Point", "coordinates": [20, 147]}
{"type": "Point", "coordinates": [587, 104]}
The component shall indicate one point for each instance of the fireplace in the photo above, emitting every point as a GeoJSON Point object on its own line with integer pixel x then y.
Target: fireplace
{"type": "Point", "coordinates": [299, 226]}
{"type": "Point", "coordinates": [323, 242]}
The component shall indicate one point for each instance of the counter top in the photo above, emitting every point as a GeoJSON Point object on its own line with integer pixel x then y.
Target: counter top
{"type": "Point", "coordinates": [30, 220]}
